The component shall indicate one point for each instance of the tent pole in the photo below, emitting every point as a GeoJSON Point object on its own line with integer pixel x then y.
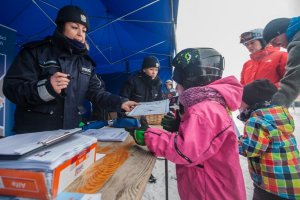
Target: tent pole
{"type": "Point", "coordinates": [146, 21]}
{"type": "Point", "coordinates": [174, 39]}
{"type": "Point", "coordinates": [174, 25]}
{"type": "Point", "coordinates": [138, 52]}
{"type": "Point", "coordinates": [33, 1]}
{"type": "Point", "coordinates": [122, 16]}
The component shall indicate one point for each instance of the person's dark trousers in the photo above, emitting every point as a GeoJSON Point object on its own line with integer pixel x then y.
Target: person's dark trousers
{"type": "Point", "coordinates": [260, 194]}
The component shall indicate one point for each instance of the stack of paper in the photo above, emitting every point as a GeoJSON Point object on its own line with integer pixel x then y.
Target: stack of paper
{"type": "Point", "coordinates": [47, 162]}
{"type": "Point", "coordinates": [45, 159]}
{"type": "Point", "coordinates": [18, 145]}
{"type": "Point", "coordinates": [107, 134]}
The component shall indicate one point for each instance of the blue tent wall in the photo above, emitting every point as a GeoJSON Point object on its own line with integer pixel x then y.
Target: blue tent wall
{"type": "Point", "coordinates": [7, 41]}
{"type": "Point", "coordinates": [121, 33]}
{"type": "Point", "coordinates": [117, 79]}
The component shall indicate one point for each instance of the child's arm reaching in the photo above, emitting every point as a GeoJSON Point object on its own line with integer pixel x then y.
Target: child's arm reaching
{"type": "Point", "coordinates": [198, 140]}
{"type": "Point", "coordinates": [255, 140]}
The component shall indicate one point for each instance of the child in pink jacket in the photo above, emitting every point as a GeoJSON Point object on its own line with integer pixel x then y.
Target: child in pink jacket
{"type": "Point", "coordinates": [205, 149]}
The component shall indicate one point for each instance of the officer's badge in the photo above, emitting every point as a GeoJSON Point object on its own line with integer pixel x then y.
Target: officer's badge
{"type": "Point", "coordinates": [83, 18]}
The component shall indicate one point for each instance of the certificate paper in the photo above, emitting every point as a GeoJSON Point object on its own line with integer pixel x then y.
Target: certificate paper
{"type": "Point", "coordinates": [151, 108]}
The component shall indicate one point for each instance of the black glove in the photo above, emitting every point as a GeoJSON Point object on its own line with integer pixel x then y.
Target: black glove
{"type": "Point", "coordinates": [171, 122]}
{"type": "Point", "coordinates": [138, 132]}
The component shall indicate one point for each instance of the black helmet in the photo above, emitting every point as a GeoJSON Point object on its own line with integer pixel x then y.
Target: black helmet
{"type": "Point", "coordinates": [71, 13]}
{"type": "Point", "coordinates": [275, 27]}
{"type": "Point", "coordinates": [197, 67]}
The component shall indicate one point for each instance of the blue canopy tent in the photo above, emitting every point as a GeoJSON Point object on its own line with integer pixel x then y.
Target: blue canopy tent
{"type": "Point", "coordinates": [121, 32]}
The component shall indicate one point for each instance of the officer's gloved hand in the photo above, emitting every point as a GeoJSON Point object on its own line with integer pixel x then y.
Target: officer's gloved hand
{"type": "Point", "coordinates": [138, 132]}
{"type": "Point", "coordinates": [170, 122]}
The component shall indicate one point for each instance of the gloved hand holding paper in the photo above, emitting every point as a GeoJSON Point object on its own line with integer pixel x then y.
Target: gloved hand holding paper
{"type": "Point", "coordinates": [171, 122]}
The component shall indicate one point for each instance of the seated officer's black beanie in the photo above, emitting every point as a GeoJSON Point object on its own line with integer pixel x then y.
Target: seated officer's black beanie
{"type": "Point", "coordinates": [259, 91]}
{"type": "Point", "coordinates": [71, 13]}
{"type": "Point", "coordinates": [150, 61]}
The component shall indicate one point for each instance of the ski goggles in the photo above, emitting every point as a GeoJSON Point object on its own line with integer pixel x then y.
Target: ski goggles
{"type": "Point", "coordinates": [248, 36]}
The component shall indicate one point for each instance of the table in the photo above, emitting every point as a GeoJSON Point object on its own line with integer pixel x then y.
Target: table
{"type": "Point", "coordinates": [122, 174]}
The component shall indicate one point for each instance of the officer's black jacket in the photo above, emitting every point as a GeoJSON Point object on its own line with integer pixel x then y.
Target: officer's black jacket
{"type": "Point", "coordinates": [38, 106]}
{"type": "Point", "coordinates": [141, 88]}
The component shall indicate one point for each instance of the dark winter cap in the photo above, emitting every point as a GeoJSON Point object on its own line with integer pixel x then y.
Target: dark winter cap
{"type": "Point", "coordinates": [258, 91]}
{"type": "Point", "coordinates": [275, 27]}
{"type": "Point", "coordinates": [150, 61]}
{"type": "Point", "coordinates": [72, 13]}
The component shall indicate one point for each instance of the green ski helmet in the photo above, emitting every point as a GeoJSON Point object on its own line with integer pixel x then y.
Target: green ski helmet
{"type": "Point", "coordinates": [197, 67]}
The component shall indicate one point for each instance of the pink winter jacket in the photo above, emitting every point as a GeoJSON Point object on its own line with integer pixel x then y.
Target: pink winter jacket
{"type": "Point", "coordinates": [205, 150]}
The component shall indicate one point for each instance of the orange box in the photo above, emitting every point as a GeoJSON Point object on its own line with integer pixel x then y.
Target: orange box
{"type": "Point", "coordinates": [34, 184]}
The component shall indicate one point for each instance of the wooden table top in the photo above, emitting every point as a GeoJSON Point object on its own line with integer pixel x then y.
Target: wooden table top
{"type": "Point", "coordinates": [122, 174]}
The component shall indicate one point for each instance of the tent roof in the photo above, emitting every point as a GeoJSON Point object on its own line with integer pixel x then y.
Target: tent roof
{"type": "Point", "coordinates": [121, 32]}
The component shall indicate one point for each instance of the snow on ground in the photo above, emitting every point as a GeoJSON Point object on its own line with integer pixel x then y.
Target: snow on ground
{"type": "Point", "coordinates": [157, 191]}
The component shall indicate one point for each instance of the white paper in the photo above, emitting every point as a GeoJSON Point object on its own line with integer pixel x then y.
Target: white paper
{"type": "Point", "coordinates": [52, 156]}
{"type": "Point", "coordinates": [151, 108]}
{"type": "Point", "coordinates": [99, 156]}
{"type": "Point", "coordinates": [78, 196]}
{"type": "Point", "coordinates": [23, 143]}
{"type": "Point", "coordinates": [107, 134]}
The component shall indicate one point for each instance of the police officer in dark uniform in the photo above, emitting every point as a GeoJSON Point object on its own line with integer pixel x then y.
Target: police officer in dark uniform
{"type": "Point", "coordinates": [49, 79]}
{"type": "Point", "coordinates": [145, 86]}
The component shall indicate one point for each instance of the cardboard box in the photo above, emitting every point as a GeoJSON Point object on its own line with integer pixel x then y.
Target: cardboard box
{"type": "Point", "coordinates": [34, 184]}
